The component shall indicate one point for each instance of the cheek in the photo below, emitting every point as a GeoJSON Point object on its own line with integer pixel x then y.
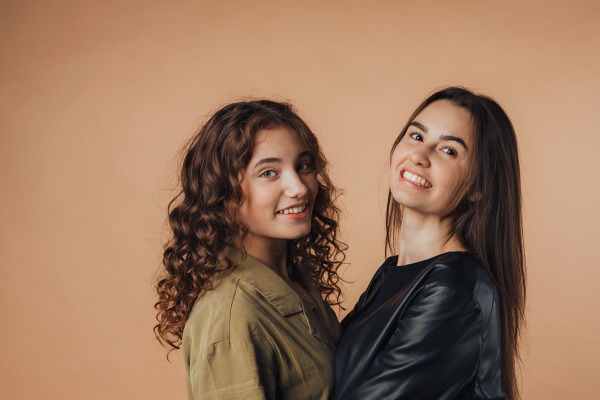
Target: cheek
{"type": "Point", "coordinates": [398, 156]}
{"type": "Point", "coordinates": [312, 184]}
{"type": "Point", "coordinates": [458, 184]}
{"type": "Point", "coordinates": [251, 205]}
{"type": "Point", "coordinates": [244, 213]}
{"type": "Point", "coordinates": [260, 199]}
{"type": "Point", "coordinates": [395, 157]}
{"type": "Point", "coordinates": [395, 162]}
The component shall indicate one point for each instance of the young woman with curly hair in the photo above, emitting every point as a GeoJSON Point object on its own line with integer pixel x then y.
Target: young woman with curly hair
{"type": "Point", "coordinates": [441, 319]}
{"type": "Point", "coordinates": [254, 251]}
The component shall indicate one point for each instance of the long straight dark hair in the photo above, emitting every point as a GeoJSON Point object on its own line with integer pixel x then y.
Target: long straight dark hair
{"type": "Point", "coordinates": [491, 225]}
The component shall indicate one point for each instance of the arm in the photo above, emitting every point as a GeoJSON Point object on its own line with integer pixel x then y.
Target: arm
{"type": "Point", "coordinates": [433, 352]}
{"type": "Point", "coordinates": [232, 370]}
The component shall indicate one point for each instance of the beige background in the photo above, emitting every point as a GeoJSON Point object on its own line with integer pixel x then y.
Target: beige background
{"type": "Point", "coordinates": [96, 98]}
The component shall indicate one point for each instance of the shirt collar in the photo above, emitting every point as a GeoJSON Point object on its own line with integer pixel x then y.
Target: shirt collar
{"type": "Point", "coordinates": [262, 278]}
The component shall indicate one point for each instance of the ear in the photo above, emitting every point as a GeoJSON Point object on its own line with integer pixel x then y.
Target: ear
{"type": "Point", "coordinates": [473, 197]}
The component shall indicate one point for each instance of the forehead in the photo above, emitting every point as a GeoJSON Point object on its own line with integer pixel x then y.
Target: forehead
{"type": "Point", "coordinates": [281, 140]}
{"type": "Point", "coordinates": [442, 117]}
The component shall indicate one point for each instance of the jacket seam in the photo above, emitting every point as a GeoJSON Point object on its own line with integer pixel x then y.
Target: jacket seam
{"type": "Point", "coordinates": [230, 311]}
{"type": "Point", "coordinates": [472, 295]}
{"type": "Point", "coordinates": [480, 346]}
{"type": "Point", "coordinates": [485, 395]}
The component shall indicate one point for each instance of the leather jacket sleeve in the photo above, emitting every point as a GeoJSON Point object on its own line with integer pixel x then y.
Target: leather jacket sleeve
{"type": "Point", "coordinates": [430, 355]}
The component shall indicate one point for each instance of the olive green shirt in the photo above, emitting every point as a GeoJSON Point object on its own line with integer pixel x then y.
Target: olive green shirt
{"type": "Point", "coordinates": [252, 337]}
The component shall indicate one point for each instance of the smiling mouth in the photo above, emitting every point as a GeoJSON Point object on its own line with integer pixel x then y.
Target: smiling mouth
{"type": "Point", "coordinates": [292, 210]}
{"type": "Point", "coordinates": [416, 179]}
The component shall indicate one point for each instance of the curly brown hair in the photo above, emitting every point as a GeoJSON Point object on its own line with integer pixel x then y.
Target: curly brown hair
{"type": "Point", "coordinates": [204, 216]}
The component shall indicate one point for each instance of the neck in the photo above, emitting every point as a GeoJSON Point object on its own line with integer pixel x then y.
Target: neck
{"type": "Point", "coordinates": [425, 236]}
{"type": "Point", "coordinates": [273, 253]}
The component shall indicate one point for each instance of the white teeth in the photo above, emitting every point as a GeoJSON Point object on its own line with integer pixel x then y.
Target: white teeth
{"type": "Point", "coordinates": [292, 210]}
{"type": "Point", "coordinates": [417, 180]}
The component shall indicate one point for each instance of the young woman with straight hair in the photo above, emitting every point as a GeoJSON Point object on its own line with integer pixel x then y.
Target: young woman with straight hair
{"type": "Point", "coordinates": [442, 318]}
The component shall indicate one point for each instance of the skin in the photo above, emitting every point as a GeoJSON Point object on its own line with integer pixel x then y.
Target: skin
{"type": "Point", "coordinates": [436, 149]}
{"type": "Point", "coordinates": [279, 176]}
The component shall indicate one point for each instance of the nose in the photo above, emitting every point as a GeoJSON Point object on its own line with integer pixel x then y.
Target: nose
{"type": "Point", "coordinates": [294, 186]}
{"type": "Point", "coordinates": [420, 156]}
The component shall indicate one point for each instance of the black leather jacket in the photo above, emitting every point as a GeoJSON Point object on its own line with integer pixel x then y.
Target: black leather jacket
{"type": "Point", "coordinates": [429, 330]}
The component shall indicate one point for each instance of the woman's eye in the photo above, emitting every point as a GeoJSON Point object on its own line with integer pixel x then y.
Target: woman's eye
{"type": "Point", "coordinates": [305, 166]}
{"type": "Point", "coordinates": [268, 174]}
{"type": "Point", "coordinates": [450, 151]}
{"type": "Point", "coordinates": [416, 136]}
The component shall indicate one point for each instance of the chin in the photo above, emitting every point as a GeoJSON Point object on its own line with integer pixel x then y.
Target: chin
{"type": "Point", "coordinates": [298, 235]}
{"type": "Point", "coordinates": [400, 197]}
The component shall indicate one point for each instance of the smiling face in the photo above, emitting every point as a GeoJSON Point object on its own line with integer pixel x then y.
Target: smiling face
{"type": "Point", "coordinates": [430, 166]}
{"type": "Point", "coordinates": [280, 186]}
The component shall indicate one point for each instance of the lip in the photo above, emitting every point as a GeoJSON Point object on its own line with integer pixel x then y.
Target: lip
{"type": "Point", "coordinates": [300, 204]}
{"type": "Point", "coordinates": [412, 184]}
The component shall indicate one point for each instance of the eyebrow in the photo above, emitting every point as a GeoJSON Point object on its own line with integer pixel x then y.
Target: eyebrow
{"type": "Point", "coordinates": [455, 139]}
{"type": "Point", "coordinates": [267, 161]}
{"type": "Point", "coordinates": [443, 137]}
{"type": "Point", "coordinates": [270, 160]}
{"type": "Point", "coordinates": [419, 125]}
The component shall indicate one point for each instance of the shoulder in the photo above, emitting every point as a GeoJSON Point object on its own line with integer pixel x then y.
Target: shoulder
{"type": "Point", "coordinates": [463, 272]}
{"type": "Point", "coordinates": [230, 311]}
{"type": "Point", "coordinates": [381, 274]}
{"type": "Point", "coordinates": [448, 291]}
{"type": "Point", "coordinates": [458, 270]}
{"type": "Point", "coordinates": [210, 316]}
